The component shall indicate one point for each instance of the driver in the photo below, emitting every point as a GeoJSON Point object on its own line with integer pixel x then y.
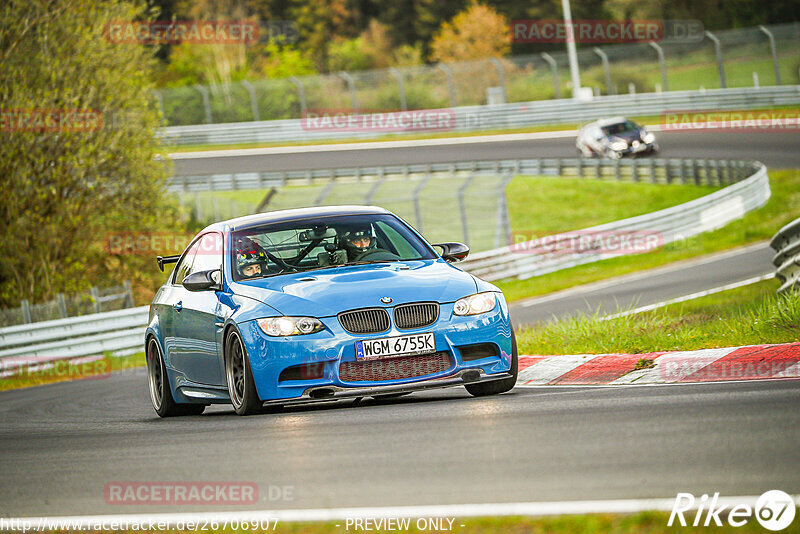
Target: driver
{"type": "Point", "coordinates": [251, 260]}
{"type": "Point", "coordinates": [357, 241]}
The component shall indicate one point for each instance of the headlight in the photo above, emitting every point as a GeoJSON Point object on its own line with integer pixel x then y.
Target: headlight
{"type": "Point", "coordinates": [475, 304]}
{"type": "Point", "coordinates": [618, 146]}
{"type": "Point", "coordinates": [290, 326]}
{"type": "Point", "coordinates": [648, 137]}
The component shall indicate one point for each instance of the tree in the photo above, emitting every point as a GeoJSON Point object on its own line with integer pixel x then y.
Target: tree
{"type": "Point", "coordinates": [475, 33]}
{"type": "Point", "coordinates": [78, 151]}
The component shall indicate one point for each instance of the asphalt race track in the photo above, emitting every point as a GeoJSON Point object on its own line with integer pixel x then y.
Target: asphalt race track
{"type": "Point", "coordinates": [63, 443]}
{"type": "Point", "coordinates": [776, 149]}
{"type": "Point", "coordinates": [651, 286]}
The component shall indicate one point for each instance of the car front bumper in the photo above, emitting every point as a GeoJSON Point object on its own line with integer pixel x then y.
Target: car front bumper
{"type": "Point", "coordinates": [329, 349]}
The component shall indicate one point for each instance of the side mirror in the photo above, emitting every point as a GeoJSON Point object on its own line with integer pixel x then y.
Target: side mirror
{"type": "Point", "coordinates": [453, 251]}
{"type": "Point", "coordinates": [203, 281]}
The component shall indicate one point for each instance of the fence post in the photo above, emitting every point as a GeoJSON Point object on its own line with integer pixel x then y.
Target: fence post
{"type": "Point", "coordinates": [718, 51]}
{"type": "Point", "coordinates": [660, 52]}
{"type": "Point", "coordinates": [653, 171]}
{"type": "Point", "coordinates": [401, 88]}
{"type": "Point", "coordinates": [253, 102]}
{"type": "Point", "coordinates": [26, 311]}
{"type": "Point", "coordinates": [773, 51]}
{"type": "Point", "coordinates": [160, 100]}
{"type": "Point", "coordinates": [451, 84]}
{"type": "Point", "coordinates": [635, 170]}
{"type": "Point", "coordinates": [62, 305]}
{"type": "Point", "coordinates": [206, 103]}
{"type": "Point", "coordinates": [617, 170]}
{"type": "Point", "coordinates": [415, 196]}
{"type": "Point", "coordinates": [462, 205]}
{"type": "Point", "coordinates": [351, 84]}
{"type": "Point", "coordinates": [128, 294]}
{"type": "Point", "coordinates": [301, 93]}
{"type": "Point", "coordinates": [498, 65]}
{"type": "Point", "coordinates": [554, 69]}
{"type": "Point", "coordinates": [504, 219]}
{"type": "Point", "coordinates": [606, 70]}
{"type": "Point", "coordinates": [96, 298]}
{"type": "Point", "coordinates": [374, 188]}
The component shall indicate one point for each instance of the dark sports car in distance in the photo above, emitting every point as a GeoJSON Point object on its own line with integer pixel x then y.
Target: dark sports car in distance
{"type": "Point", "coordinates": [614, 138]}
{"type": "Point", "coordinates": [318, 304]}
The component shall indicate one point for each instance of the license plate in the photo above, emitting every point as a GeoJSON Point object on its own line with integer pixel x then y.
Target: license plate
{"type": "Point", "coordinates": [387, 347]}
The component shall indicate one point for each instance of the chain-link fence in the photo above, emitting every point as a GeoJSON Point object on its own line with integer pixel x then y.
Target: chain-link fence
{"type": "Point", "coordinates": [742, 58]}
{"type": "Point", "coordinates": [96, 300]}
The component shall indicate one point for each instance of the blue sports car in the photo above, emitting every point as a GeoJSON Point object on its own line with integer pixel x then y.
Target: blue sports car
{"type": "Point", "coordinates": [319, 304]}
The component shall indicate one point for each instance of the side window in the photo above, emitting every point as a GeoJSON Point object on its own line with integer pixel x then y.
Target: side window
{"type": "Point", "coordinates": [209, 253]}
{"type": "Point", "coordinates": [182, 269]}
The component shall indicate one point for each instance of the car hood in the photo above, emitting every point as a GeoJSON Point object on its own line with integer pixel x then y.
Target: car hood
{"type": "Point", "coordinates": [628, 137]}
{"type": "Point", "coordinates": [327, 292]}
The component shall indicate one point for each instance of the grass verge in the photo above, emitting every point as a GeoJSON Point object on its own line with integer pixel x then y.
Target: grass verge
{"type": "Point", "coordinates": [65, 370]}
{"type": "Point", "coordinates": [748, 315]}
{"type": "Point", "coordinates": [759, 225]}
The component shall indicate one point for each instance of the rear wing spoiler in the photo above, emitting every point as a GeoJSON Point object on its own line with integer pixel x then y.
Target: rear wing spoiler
{"type": "Point", "coordinates": [161, 260]}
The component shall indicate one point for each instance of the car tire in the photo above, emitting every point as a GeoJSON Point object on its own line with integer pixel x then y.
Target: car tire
{"type": "Point", "coordinates": [160, 392]}
{"type": "Point", "coordinates": [241, 387]}
{"type": "Point", "coordinates": [495, 387]}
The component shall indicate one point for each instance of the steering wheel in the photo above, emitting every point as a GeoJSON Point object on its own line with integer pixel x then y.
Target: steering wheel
{"type": "Point", "coordinates": [375, 252]}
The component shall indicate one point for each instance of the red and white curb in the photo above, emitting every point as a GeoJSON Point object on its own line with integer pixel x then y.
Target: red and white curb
{"type": "Point", "coordinates": [755, 362]}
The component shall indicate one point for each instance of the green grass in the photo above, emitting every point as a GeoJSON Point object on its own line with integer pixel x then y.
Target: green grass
{"type": "Point", "coordinates": [782, 208]}
{"type": "Point", "coordinates": [65, 370]}
{"type": "Point", "coordinates": [749, 315]}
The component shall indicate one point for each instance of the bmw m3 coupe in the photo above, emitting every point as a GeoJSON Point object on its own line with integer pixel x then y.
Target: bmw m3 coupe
{"type": "Point", "coordinates": [319, 304]}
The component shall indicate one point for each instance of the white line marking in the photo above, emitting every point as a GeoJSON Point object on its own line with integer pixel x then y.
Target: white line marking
{"type": "Point", "coordinates": [676, 266]}
{"type": "Point", "coordinates": [691, 296]}
{"type": "Point", "coordinates": [621, 506]}
{"type": "Point", "coordinates": [612, 385]}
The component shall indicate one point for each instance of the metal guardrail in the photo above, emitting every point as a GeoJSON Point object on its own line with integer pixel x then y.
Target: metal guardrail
{"type": "Point", "coordinates": [678, 222]}
{"type": "Point", "coordinates": [36, 344]}
{"type": "Point", "coordinates": [501, 116]}
{"type": "Point", "coordinates": [787, 260]}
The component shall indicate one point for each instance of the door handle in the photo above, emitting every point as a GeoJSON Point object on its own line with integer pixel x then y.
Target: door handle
{"type": "Point", "coordinates": [178, 306]}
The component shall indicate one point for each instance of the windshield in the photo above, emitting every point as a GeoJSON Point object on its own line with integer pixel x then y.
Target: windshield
{"type": "Point", "coordinates": [323, 242]}
{"type": "Point", "coordinates": [620, 127]}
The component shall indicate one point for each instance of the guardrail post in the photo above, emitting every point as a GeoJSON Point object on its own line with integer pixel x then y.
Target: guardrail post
{"type": "Point", "coordinates": [206, 103]}
{"type": "Point", "coordinates": [351, 84]}
{"type": "Point", "coordinates": [253, 102]}
{"type": "Point", "coordinates": [707, 172]}
{"type": "Point", "coordinates": [718, 52]}
{"type": "Point", "coordinates": [451, 84]}
{"type": "Point", "coordinates": [579, 167]}
{"type": "Point", "coordinates": [96, 298]}
{"type": "Point", "coordinates": [667, 172]}
{"type": "Point", "coordinates": [301, 93]}
{"type": "Point", "coordinates": [606, 70]}
{"type": "Point", "coordinates": [635, 170]}
{"type": "Point", "coordinates": [682, 163]}
{"type": "Point", "coordinates": [559, 170]}
{"type": "Point", "coordinates": [25, 307]}
{"type": "Point", "coordinates": [695, 172]}
{"type": "Point", "coordinates": [617, 170]}
{"type": "Point", "coordinates": [653, 171]}
{"type": "Point", "coordinates": [598, 171]}
{"type": "Point", "coordinates": [773, 51]}
{"type": "Point", "coordinates": [462, 205]}
{"type": "Point", "coordinates": [554, 69]}
{"type": "Point", "coordinates": [498, 65]}
{"type": "Point", "coordinates": [62, 305]}
{"type": "Point", "coordinates": [662, 63]}
{"type": "Point", "coordinates": [401, 88]}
